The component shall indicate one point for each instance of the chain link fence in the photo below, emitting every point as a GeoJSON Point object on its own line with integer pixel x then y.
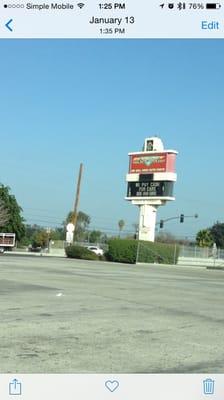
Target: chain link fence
{"type": "Point", "coordinates": [201, 256]}
{"type": "Point", "coordinates": [145, 254]}
{"type": "Point", "coordinates": [201, 252]}
{"type": "Point", "coordinates": [181, 254]}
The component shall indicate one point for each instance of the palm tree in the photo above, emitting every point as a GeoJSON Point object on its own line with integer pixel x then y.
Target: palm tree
{"type": "Point", "coordinates": [204, 238]}
{"type": "Point", "coordinates": [121, 224]}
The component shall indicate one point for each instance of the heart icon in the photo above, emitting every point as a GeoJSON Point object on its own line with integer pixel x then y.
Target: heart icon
{"type": "Point", "coordinates": [112, 385]}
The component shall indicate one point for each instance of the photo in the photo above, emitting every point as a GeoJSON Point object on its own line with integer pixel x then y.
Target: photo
{"type": "Point", "coordinates": [111, 206]}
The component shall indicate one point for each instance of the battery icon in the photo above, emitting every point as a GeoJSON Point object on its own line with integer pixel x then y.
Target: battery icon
{"type": "Point", "coordinates": [213, 6]}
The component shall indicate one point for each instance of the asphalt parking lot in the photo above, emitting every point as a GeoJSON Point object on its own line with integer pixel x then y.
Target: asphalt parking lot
{"type": "Point", "coordinates": [69, 316]}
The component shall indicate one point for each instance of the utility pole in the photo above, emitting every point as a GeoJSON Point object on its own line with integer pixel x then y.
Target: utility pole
{"type": "Point", "coordinates": [70, 228]}
{"type": "Point", "coordinates": [75, 212]}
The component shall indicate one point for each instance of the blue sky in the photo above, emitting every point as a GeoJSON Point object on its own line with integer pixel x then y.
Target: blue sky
{"type": "Point", "coordinates": [69, 101]}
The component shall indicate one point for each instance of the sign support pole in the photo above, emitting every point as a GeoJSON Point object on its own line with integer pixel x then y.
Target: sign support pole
{"type": "Point", "coordinates": [147, 222]}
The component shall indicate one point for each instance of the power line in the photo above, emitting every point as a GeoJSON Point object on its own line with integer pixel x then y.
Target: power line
{"type": "Point", "coordinates": [64, 217]}
{"type": "Point", "coordinates": [90, 228]}
{"type": "Point", "coordinates": [41, 216]}
{"type": "Point", "coordinates": [42, 221]}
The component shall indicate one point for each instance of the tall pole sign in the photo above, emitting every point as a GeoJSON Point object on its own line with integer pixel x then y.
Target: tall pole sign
{"type": "Point", "coordinates": [150, 182]}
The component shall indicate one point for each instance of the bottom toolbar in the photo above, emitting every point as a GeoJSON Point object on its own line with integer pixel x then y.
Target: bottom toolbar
{"type": "Point", "coordinates": [103, 386]}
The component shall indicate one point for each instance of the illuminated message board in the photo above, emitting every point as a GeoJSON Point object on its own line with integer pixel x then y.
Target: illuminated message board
{"type": "Point", "coordinates": [150, 189]}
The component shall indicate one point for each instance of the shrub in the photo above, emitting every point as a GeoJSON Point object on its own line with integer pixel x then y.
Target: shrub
{"type": "Point", "coordinates": [80, 253]}
{"type": "Point", "coordinates": [126, 251]}
{"type": "Point", "coordinates": [122, 250]}
{"type": "Point", "coordinates": [162, 253]}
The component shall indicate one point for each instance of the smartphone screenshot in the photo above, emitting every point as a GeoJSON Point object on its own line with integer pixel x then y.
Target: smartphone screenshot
{"type": "Point", "coordinates": [111, 200]}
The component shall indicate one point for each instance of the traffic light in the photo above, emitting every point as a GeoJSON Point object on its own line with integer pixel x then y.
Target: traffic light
{"type": "Point", "coordinates": [181, 218]}
{"type": "Point", "coordinates": [161, 223]}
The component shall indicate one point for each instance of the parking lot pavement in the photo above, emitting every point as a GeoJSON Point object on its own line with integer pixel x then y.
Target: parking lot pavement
{"type": "Point", "coordinates": [71, 316]}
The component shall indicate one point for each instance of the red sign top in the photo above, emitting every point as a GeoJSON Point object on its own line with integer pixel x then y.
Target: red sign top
{"type": "Point", "coordinates": [152, 162]}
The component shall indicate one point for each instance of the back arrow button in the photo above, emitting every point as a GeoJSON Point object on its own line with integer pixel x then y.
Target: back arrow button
{"type": "Point", "coordinates": [7, 25]}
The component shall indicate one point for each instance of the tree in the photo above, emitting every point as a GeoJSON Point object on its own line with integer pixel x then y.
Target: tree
{"type": "Point", "coordinates": [95, 236]}
{"type": "Point", "coordinates": [217, 232]}
{"type": "Point", "coordinates": [204, 238]}
{"type": "Point", "coordinates": [34, 235]}
{"type": "Point", "coordinates": [165, 237]}
{"type": "Point", "coordinates": [104, 238]}
{"type": "Point", "coordinates": [15, 222]}
{"type": "Point", "coordinates": [57, 234]}
{"type": "Point", "coordinates": [30, 231]}
{"type": "Point", "coordinates": [82, 223]}
{"type": "Point", "coordinates": [40, 239]}
{"type": "Point", "coordinates": [121, 224]}
{"type": "Point", "coordinates": [4, 216]}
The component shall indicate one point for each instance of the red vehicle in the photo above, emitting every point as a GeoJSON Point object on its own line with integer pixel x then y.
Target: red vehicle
{"type": "Point", "coordinates": [7, 241]}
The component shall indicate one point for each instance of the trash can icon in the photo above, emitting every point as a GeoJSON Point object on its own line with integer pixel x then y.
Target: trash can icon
{"type": "Point", "coordinates": [208, 386]}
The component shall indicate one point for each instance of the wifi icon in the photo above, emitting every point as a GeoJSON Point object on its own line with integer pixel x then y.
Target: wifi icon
{"type": "Point", "coordinates": [80, 5]}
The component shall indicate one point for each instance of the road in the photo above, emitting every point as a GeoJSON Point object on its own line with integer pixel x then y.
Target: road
{"type": "Point", "coordinates": [71, 316]}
